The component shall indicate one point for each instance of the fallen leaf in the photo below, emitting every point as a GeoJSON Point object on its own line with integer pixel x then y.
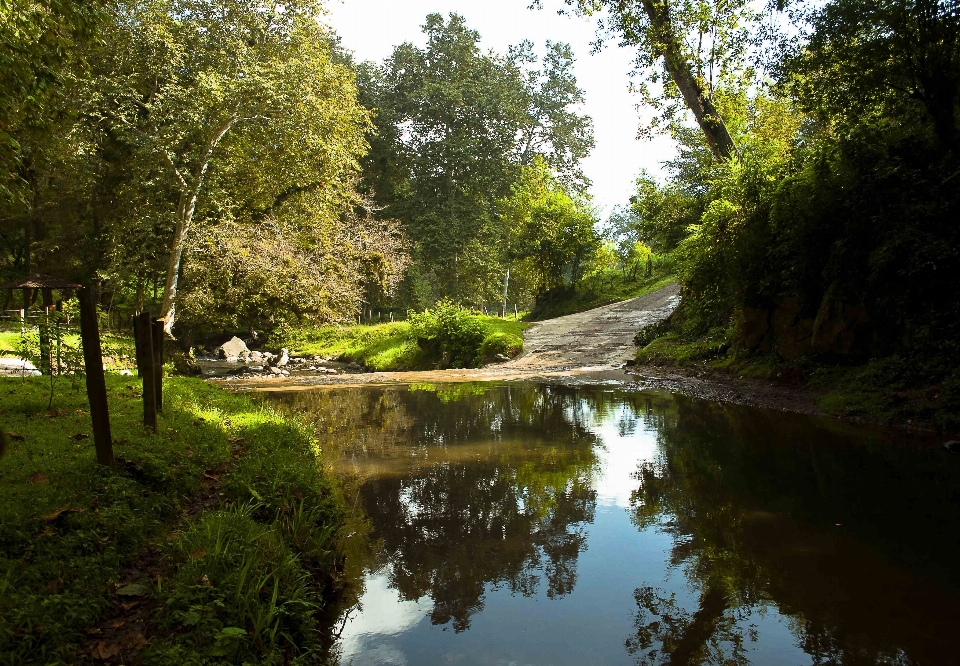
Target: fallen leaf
{"type": "Point", "coordinates": [38, 479]}
{"type": "Point", "coordinates": [212, 477]}
{"type": "Point", "coordinates": [79, 436]}
{"type": "Point", "coordinates": [132, 590]}
{"type": "Point", "coordinates": [116, 624]}
{"type": "Point", "coordinates": [129, 605]}
{"type": "Point", "coordinates": [136, 641]}
{"type": "Point", "coordinates": [106, 650]}
{"type": "Point", "coordinates": [198, 553]}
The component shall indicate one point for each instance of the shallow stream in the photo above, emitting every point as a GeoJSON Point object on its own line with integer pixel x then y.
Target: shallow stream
{"type": "Point", "coordinates": [528, 523]}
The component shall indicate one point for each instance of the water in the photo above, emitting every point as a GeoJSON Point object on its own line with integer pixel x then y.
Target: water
{"type": "Point", "coordinates": [537, 524]}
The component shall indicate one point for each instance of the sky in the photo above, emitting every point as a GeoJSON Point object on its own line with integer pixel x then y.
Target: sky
{"type": "Point", "coordinates": [371, 28]}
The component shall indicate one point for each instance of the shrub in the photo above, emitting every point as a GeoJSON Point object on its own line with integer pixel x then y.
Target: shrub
{"type": "Point", "coordinates": [500, 343]}
{"type": "Point", "coordinates": [449, 332]}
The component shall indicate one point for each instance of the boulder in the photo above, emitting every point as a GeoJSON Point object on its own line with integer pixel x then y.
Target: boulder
{"type": "Point", "coordinates": [232, 348]}
{"type": "Point", "coordinates": [756, 322]}
{"type": "Point", "coordinates": [284, 358]}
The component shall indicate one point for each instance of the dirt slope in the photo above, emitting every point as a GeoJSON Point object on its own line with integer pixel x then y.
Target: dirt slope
{"type": "Point", "coordinates": [596, 339]}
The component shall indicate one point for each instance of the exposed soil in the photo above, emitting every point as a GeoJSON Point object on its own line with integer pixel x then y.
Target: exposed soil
{"type": "Point", "coordinates": [589, 347]}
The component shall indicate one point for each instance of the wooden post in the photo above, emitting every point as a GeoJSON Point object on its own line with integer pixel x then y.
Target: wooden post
{"type": "Point", "coordinates": [157, 330]}
{"type": "Point", "coordinates": [143, 337]}
{"type": "Point", "coordinates": [96, 384]}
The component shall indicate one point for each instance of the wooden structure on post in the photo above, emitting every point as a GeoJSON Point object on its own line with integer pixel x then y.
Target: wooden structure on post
{"type": "Point", "coordinates": [46, 284]}
{"type": "Point", "coordinates": [146, 332]}
{"type": "Point", "coordinates": [92, 352]}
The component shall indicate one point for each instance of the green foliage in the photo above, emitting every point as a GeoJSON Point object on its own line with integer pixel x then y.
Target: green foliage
{"type": "Point", "coordinates": [455, 125]}
{"type": "Point", "coordinates": [502, 343]}
{"type": "Point", "coordinates": [551, 231]}
{"type": "Point", "coordinates": [449, 332]}
{"type": "Point", "coordinates": [69, 528]}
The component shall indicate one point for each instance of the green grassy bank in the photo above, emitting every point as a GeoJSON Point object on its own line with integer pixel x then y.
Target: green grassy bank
{"type": "Point", "coordinates": [394, 346]}
{"type": "Point", "coordinates": [220, 529]}
{"type": "Point", "coordinates": [596, 290]}
{"type": "Point", "coordinates": [884, 390]}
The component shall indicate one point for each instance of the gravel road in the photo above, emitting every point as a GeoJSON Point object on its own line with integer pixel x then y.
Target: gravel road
{"type": "Point", "coordinates": [597, 339]}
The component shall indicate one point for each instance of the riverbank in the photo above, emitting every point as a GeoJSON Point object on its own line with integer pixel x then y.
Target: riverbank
{"type": "Point", "coordinates": [889, 390]}
{"type": "Point", "coordinates": [394, 347]}
{"type": "Point", "coordinates": [215, 538]}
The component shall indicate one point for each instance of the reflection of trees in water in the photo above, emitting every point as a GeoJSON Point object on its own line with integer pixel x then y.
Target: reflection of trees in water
{"type": "Point", "coordinates": [495, 490]}
{"type": "Point", "coordinates": [756, 501]}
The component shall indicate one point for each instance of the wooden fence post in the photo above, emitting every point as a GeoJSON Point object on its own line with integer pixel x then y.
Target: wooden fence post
{"type": "Point", "coordinates": [157, 330]}
{"type": "Point", "coordinates": [143, 338]}
{"type": "Point", "coordinates": [96, 384]}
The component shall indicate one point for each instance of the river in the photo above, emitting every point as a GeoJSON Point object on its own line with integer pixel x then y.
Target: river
{"type": "Point", "coordinates": [539, 523]}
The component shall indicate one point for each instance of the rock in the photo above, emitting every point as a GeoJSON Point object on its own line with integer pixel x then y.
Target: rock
{"type": "Point", "coordinates": [500, 358]}
{"type": "Point", "coordinates": [275, 371]}
{"type": "Point", "coordinates": [756, 322]}
{"type": "Point", "coordinates": [285, 373]}
{"type": "Point", "coordinates": [232, 348]}
{"type": "Point", "coordinates": [254, 357]}
{"type": "Point", "coordinates": [126, 373]}
{"type": "Point", "coordinates": [953, 446]}
{"type": "Point", "coordinates": [284, 358]}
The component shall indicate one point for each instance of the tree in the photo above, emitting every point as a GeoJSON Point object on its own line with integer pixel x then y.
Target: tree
{"type": "Point", "coordinates": [207, 90]}
{"type": "Point", "coordinates": [455, 125]}
{"type": "Point", "coordinates": [551, 231]}
{"type": "Point", "coordinates": [700, 46]}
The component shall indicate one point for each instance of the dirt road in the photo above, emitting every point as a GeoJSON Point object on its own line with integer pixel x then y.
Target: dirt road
{"type": "Point", "coordinates": [591, 342]}
{"type": "Point", "coordinates": [585, 348]}
{"type": "Point", "coordinates": [597, 339]}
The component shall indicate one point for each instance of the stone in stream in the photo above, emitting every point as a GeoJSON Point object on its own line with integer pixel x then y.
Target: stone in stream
{"type": "Point", "coordinates": [232, 348]}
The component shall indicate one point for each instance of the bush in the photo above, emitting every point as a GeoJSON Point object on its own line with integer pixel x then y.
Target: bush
{"type": "Point", "coordinates": [500, 343]}
{"type": "Point", "coordinates": [450, 333]}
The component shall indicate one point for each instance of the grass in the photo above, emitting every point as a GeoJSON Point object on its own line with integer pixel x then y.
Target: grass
{"type": "Point", "coordinates": [238, 583]}
{"type": "Point", "coordinates": [596, 290]}
{"type": "Point", "coordinates": [393, 346]}
{"type": "Point", "coordinates": [884, 390]}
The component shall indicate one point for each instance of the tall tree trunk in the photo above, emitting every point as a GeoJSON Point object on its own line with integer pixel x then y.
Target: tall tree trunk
{"type": "Point", "coordinates": [711, 124]}
{"type": "Point", "coordinates": [185, 211]}
{"type": "Point", "coordinates": [506, 287]}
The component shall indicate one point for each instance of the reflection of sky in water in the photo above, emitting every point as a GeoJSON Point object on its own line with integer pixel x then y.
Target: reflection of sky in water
{"type": "Point", "coordinates": [366, 637]}
{"type": "Point", "coordinates": [620, 454]}
{"type": "Point", "coordinates": [592, 618]}
{"type": "Point", "coordinates": [590, 624]}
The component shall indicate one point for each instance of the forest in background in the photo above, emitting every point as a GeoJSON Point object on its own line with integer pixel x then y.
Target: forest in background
{"type": "Point", "coordinates": [230, 165]}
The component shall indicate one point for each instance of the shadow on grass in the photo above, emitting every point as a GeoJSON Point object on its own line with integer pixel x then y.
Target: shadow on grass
{"type": "Point", "coordinates": [69, 527]}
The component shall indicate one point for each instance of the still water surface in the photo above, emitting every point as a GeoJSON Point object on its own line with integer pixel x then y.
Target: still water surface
{"type": "Point", "coordinates": [537, 524]}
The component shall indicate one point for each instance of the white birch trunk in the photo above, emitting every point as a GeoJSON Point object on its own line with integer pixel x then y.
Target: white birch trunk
{"type": "Point", "coordinates": [185, 211]}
